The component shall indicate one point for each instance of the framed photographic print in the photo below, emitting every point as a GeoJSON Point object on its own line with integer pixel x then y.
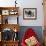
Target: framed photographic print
{"type": "Point", "coordinates": [5, 12]}
{"type": "Point", "coordinates": [13, 12]}
{"type": "Point", "coordinates": [13, 20]}
{"type": "Point", "coordinates": [10, 20]}
{"type": "Point", "coordinates": [0, 36]}
{"type": "Point", "coordinates": [30, 13]}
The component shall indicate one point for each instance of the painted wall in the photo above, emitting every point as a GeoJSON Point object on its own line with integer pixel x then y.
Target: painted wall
{"type": "Point", "coordinates": [37, 29]}
{"type": "Point", "coordinates": [31, 4]}
{"type": "Point", "coordinates": [26, 4]}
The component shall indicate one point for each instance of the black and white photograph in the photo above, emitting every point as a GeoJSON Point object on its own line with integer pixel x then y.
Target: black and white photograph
{"type": "Point", "coordinates": [29, 13]}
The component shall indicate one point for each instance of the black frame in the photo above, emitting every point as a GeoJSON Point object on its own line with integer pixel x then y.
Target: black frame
{"type": "Point", "coordinates": [5, 21]}
{"type": "Point", "coordinates": [30, 10]}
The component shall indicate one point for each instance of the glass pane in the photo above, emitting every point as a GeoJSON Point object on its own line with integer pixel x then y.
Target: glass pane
{"type": "Point", "coordinates": [0, 19]}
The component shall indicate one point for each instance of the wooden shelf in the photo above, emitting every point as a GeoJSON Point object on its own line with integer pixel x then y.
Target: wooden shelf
{"type": "Point", "coordinates": [4, 12]}
{"type": "Point", "coordinates": [9, 9]}
{"type": "Point", "coordinates": [11, 26]}
{"type": "Point", "coordinates": [9, 43]}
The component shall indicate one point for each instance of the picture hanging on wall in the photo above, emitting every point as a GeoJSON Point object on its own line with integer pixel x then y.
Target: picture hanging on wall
{"type": "Point", "coordinates": [30, 13]}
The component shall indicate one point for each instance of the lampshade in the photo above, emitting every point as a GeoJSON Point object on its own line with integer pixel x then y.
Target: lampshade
{"type": "Point", "coordinates": [15, 30]}
{"type": "Point", "coordinates": [15, 3]}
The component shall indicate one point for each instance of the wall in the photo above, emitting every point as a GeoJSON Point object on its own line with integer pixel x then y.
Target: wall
{"type": "Point", "coordinates": [37, 29]}
{"type": "Point", "coordinates": [27, 4]}
{"type": "Point", "coordinates": [31, 4]}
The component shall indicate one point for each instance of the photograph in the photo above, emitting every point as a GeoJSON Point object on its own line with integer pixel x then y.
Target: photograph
{"type": "Point", "coordinates": [5, 12]}
{"type": "Point", "coordinates": [30, 13]}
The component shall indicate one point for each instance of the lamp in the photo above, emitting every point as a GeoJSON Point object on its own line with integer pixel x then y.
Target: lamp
{"type": "Point", "coordinates": [15, 3]}
{"type": "Point", "coordinates": [15, 30]}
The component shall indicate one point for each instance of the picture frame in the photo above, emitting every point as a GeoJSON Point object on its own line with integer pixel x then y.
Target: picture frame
{"type": "Point", "coordinates": [30, 13]}
{"type": "Point", "coordinates": [5, 12]}
{"type": "Point", "coordinates": [13, 12]}
{"type": "Point", "coordinates": [10, 20]}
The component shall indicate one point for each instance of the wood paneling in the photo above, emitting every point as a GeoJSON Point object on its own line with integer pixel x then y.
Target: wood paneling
{"type": "Point", "coordinates": [10, 43]}
{"type": "Point", "coordinates": [44, 2]}
{"type": "Point", "coordinates": [11, 26]}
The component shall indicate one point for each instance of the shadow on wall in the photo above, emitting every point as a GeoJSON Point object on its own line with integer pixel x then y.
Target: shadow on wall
{"type": "Point", "coordinates": [37, 29]}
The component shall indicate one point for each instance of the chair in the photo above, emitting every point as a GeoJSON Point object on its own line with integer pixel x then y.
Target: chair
{"type": "Point", "coordinates": [28, 34]}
